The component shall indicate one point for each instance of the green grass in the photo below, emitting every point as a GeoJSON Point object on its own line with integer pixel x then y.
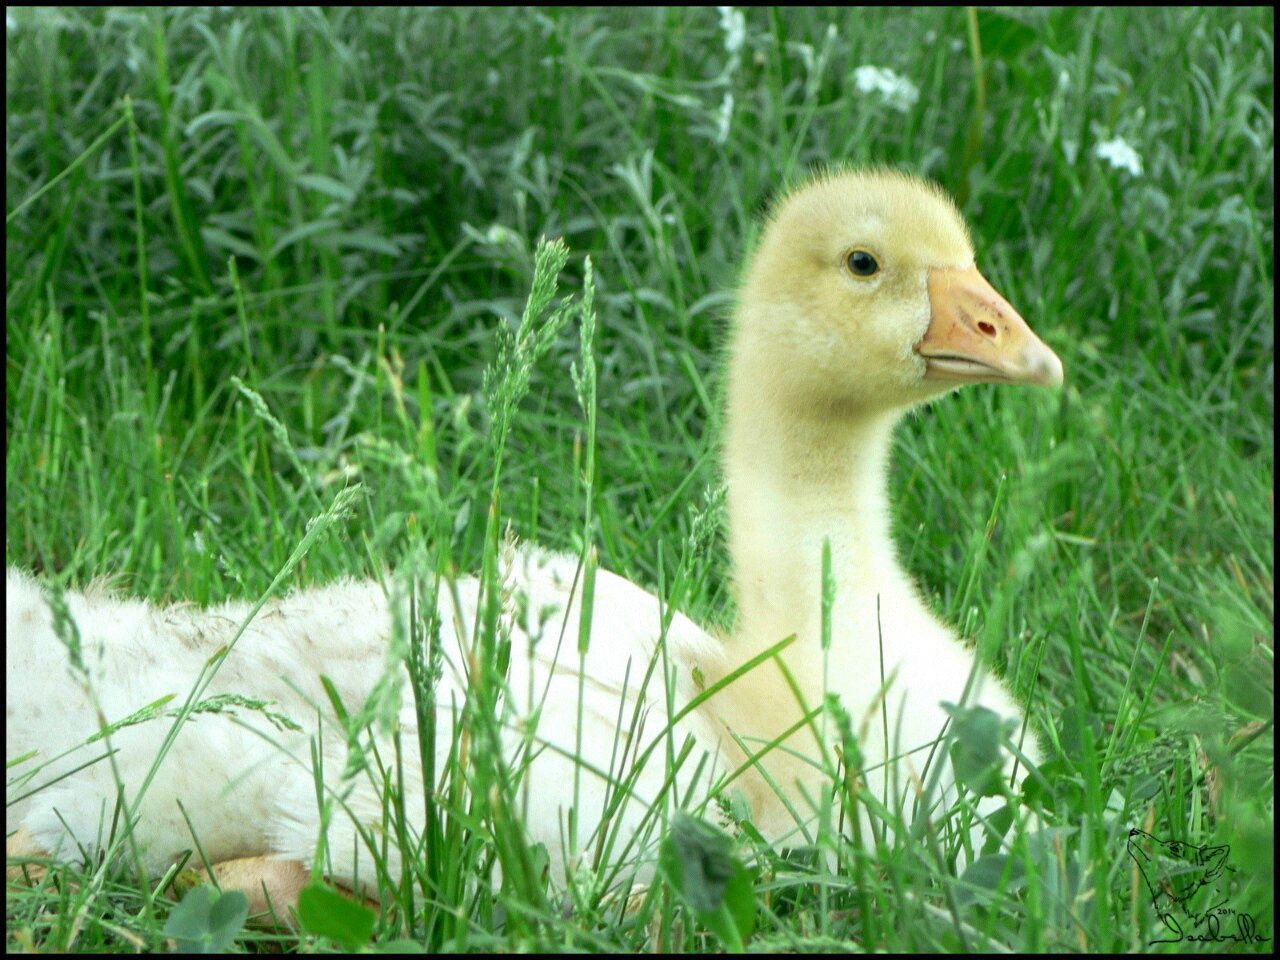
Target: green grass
{"type": "Point", "coordinates": [340, 209]}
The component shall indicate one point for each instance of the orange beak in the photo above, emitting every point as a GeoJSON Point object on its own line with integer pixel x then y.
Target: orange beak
{"type": "Point", "coordinates": [974, 336]}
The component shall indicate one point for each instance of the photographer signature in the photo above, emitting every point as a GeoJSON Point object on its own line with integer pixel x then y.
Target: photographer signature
{"type": "Point", "coordinates": [1174, 872]}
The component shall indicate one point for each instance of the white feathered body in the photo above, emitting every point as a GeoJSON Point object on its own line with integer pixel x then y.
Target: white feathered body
{"type": "Point", "coordinates": [248, 787]}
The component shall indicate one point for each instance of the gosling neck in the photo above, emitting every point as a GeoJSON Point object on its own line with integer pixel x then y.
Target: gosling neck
{"type": "Point", "coordinates": [801, 472]}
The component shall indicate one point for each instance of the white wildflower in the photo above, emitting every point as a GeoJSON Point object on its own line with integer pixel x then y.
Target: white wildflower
{"type": "Point", "coordinates": [495, 236]}
{"type": "Point", "coordinates": [1064, 80]}
{"type": "Point", "coordinates": [734, 25]}
{"type": "Point", "coordinates": [724, 118]}
{"type": "Point", "coordinates": [10, 24]}
{"type": "Point", "coordinates": [1120, 155]}
{"type": "Point", "coordinates": [500, 236]}
{"type": "Point", "coordinates": [899, 93]}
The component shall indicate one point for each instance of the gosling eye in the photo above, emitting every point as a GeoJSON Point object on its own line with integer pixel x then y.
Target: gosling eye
{"type": "Point", "coordinates": [863, 264]}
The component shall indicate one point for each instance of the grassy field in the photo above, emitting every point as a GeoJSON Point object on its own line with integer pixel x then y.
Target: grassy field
{"type": "Point", "coordinates": [255, 257]}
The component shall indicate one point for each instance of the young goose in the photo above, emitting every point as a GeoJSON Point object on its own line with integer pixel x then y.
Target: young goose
{"type": "Point", "coordinates": [861, 301]}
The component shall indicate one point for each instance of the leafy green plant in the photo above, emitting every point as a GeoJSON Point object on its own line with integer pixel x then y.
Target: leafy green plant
{"type": "Point", "coordinates": [699, 863]}
{"type": "Point", "coordinates": [207, 920]}
{"type": "Point", "coordinates": [323, 912]}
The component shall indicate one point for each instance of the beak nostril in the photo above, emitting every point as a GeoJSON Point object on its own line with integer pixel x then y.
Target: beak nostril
{"type": "Point", "coordinates": [987, 328]}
